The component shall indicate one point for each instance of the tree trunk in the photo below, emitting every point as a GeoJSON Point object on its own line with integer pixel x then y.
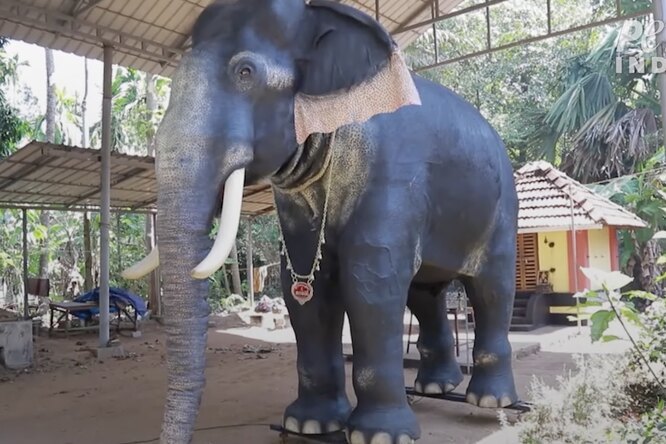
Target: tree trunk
{"type": "Point", "coordinates": [87, 247]}
{"type": "Point", "coordinates": [44, 217]}
{"type": "Point", "coordinates": [225, 280]}
{"type": "Point", "coordinates": [50, 96]}
{"type": "Point", "coordinates": [84, 107]}
{"type": "Point", "coordinates": [151, 107]}
{"type": "Point", "coordinates": [235, 271]}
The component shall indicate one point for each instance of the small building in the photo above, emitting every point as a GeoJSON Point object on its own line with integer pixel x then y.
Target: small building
{"type": "Point", "coordinates": [562, 226]}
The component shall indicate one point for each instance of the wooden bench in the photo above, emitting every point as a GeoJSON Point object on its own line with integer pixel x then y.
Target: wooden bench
{"type": "Point", "coordinates": [63, 311]}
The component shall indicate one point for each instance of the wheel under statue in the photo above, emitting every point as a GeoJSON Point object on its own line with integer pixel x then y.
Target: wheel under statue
{"type": "Point", "coordinates": [387, 187]}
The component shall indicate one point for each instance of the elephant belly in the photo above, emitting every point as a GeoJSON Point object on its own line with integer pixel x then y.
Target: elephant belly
{"type": "Point", "coordinates": [432, 274]}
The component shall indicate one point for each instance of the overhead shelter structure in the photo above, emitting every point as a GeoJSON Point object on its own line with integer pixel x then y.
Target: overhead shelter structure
{"type": "Point", "coordinates": [46, 176]}
{"type": "Point", "coordinates": [152, 36]}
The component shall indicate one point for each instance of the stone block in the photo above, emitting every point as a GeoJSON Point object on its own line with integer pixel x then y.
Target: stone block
{"type": "Point", "coordinates": [114, 351]}
{"type": "Point", "coordinates": [16, 350]}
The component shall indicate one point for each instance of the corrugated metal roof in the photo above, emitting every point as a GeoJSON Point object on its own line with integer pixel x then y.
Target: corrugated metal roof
{"type": "Point", "coordinates": [151, 35]}
{"type": "Point", "coordinates": [546, 194]}
{"type": "Point", "coordinates": [43, 175]}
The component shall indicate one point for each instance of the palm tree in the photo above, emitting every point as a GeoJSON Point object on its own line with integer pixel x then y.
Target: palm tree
{"type": "Point", "coordinates": [12, 127]}
{"type": "Point", "coordinates": [604, 123]}
{"type": "Point", "coordinates": [50, 117]}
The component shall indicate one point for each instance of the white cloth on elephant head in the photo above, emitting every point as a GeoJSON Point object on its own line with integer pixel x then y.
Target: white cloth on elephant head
{"type": "Point", "coordinates": [390, 89]}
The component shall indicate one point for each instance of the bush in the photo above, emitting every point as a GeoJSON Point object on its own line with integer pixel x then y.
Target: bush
{"type": "Point", "coordinates": [581, 409]}
{"type": "Point", "coordinates": [608, 398]}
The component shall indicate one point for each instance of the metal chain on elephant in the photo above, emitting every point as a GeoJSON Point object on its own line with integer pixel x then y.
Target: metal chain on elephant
{"type": "Point", "coordinates": [301, 288]}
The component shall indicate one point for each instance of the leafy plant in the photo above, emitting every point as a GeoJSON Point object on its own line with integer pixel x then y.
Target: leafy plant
{"type": "Point", "coordinates": [617, 398]}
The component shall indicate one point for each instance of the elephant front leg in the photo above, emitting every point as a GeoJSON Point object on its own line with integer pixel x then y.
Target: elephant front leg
{"type": "Point", "coordinates": [375, 282]}
{"type": "Point", "coordinates": [322, 405]}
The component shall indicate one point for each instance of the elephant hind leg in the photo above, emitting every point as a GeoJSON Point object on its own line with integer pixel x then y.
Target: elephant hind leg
{"type": "Point", "coordinates": [439, 371]}
{"type": "Point", "coordinates": [491, 293]}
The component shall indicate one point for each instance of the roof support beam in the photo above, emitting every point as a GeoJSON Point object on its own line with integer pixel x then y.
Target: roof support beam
{"type": "Point", "coordinates": [25, 171]}
{"type": "Point", "coordinates": [404, 25]}
{"type": "Point", "coordinates": [118, 180]}
{"type": "Point", "coordinates": [522, 42]}
{"type": "Point", "coordinates": [55, 207]}
{"type": "Point", "coordinates": [438, 18]}
{"type": "Point", "coordinates": [83, 6]}
{"type": "Point", "coordinates": [146, 202]}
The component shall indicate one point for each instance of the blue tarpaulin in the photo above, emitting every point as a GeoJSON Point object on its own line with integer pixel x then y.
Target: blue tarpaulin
{"type": "Point", "coordinates": [117, 296]}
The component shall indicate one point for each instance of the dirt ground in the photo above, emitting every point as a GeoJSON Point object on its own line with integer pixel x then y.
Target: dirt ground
{"type": "Point", "coordinates": [71, 398]}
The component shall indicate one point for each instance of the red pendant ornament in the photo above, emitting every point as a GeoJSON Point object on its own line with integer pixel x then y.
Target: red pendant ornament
{"type": "Point", "coordinates": [302, 292]}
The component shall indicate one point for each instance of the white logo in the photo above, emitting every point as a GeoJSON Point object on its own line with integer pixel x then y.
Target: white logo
{"type": "Point", "coordinates": [636, 48]}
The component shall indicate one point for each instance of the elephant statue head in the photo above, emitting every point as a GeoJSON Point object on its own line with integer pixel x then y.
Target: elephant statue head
{"type": "Point", "coordinates": [261, 77]}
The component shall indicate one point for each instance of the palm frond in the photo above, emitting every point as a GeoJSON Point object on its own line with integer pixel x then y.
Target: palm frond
{"type": "Point", "coordinates": [605, 52]}
{"type": "Point", "coordinates": [612, 143]}
{"type": "Point", "coordinates": [631, 140]}
{"type": "Point", "coordinates": [580, 102]}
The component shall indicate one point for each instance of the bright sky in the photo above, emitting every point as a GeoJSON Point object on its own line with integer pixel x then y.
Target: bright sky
{"type": "Point", "coordinates": [69, 75]}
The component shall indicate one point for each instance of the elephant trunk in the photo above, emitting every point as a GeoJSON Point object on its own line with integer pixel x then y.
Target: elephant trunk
{"type": "Point", "coordinates": [183, 234]}
{"type": "Point", "coordinates": [200, 150]}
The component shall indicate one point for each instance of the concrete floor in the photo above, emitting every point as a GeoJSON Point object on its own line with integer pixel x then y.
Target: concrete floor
{"type": "Point", "coordinates": [71, 398]}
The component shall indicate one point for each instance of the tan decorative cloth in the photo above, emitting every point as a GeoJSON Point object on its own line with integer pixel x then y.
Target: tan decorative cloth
{"type": "Point", "coordinates": [259, 277]}
{"type": "Point", "coordinates": [390, 89]}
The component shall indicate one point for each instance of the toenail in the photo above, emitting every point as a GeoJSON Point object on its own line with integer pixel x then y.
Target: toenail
{"type": "Point", "coordinates": [311, 427]}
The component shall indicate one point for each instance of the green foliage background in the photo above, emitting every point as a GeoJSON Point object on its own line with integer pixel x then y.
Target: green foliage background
{"type": "Point", "coordinates": [557, 99]}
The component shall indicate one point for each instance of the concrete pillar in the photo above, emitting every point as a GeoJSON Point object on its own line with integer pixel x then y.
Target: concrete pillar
{"type": "Point", "coordinates": [105, 204]}
{"type": "Point", "coordinates": [26, 312]}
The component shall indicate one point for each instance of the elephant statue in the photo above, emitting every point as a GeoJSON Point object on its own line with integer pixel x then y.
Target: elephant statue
{"type": "Point", "coordinates": [387, 187]}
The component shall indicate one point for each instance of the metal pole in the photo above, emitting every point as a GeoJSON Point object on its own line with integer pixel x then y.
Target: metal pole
{"type": "Point", "coordinates": [377, 10]}
{"type": "Point", "coordinates": [26, 313]}
{"type": "Point", "coordinates": [105, 204]}
{"type": "Point", "coordinates": [574, 256]}
{"type": "Point", "coordinates": [250, 271]}
{"type": "Point", "coordinates": [435, 13]}
{"type": "Point", "coordinates": [659, 19]}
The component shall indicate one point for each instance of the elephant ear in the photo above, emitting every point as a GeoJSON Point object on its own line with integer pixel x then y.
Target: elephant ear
{"type": "Point", "coordinates": [351, 70]}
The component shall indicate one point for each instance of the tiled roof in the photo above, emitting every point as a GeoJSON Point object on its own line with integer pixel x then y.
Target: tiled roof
{"type": "Point", "coordinates": [546, 195]}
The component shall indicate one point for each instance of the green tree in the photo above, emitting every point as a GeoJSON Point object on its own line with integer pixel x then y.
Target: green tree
{"type": "Point", "coordinates": [12, 126]}
{"type": "Point", "coordinates": [513, 88]}
{"type": "Point", "coordinates": [606, 122]}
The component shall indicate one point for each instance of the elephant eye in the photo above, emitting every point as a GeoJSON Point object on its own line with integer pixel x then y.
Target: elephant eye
{"type": "Point", "coordinates": [244, 72]}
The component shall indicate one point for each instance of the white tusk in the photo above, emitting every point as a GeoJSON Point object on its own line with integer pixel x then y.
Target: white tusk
{"type": "Point", "coordinates": [143, 267]}
{"type": "Point", "coordinates": [229, 220]}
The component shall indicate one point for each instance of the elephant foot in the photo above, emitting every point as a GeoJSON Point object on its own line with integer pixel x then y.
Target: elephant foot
{"type": "Point", "coordinates": [438, 378]}
{"type": "Point", "coordinates": [492, 384]}
{"type": "Point", "coordinates": [383, 426]}
{"type": "Point", "coordinates": [317, 415]}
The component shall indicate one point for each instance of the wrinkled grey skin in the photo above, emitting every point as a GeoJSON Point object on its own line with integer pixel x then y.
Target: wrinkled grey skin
{"type": "Point", "coordinates": [420, 197]}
